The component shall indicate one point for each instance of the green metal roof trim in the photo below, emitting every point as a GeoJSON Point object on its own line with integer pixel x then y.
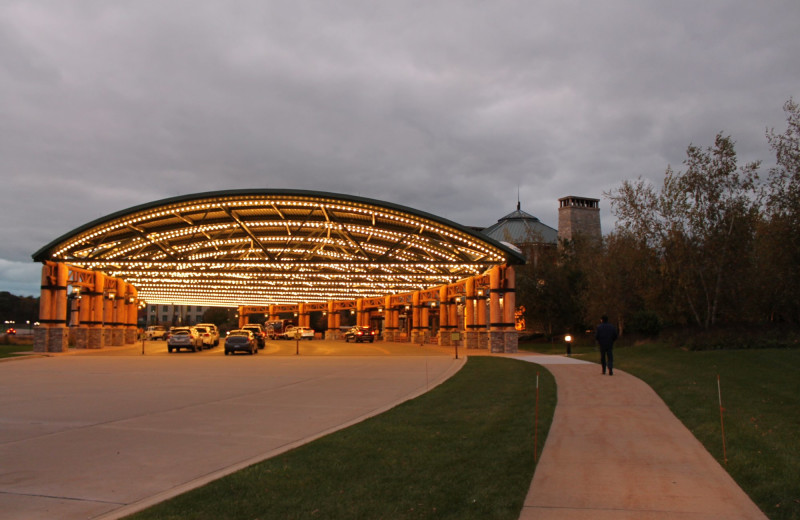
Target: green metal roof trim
{"type": "Point", "coordinates": [271, 237]}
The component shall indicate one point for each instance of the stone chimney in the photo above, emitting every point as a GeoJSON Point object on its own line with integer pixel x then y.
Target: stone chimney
{"type": "Point", "coordinates": [578, 216]}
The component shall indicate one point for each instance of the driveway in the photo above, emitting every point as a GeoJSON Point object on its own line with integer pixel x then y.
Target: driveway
{"type": "Point", "coordinates": [101, 434]}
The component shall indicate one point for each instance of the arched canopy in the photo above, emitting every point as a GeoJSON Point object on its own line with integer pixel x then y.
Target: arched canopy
{"type": "Point", "coordinates": [256, 247]}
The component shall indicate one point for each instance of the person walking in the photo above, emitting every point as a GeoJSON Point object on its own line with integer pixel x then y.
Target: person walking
{"type": "Point", "coordinates": [605, 335]}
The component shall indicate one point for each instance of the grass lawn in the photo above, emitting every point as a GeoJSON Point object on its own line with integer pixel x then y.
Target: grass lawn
{"type": "Point", "coordinates": [462, 451]}
{"type": "Point", "coordinates": [761, 401]}
{"type": "Point", "coordinates": [11, 350]}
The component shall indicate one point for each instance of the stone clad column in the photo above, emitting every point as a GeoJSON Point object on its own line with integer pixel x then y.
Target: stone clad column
{"type": "Point", "coordinates": [496, 324]}
{"type": "Point", "coordinates": [330, 334]}
{"type": "Point", "coordinates": [425, 323]}
{"type": "Point", "coordinates": [470, 315]}
{"type": "Point", "coordinates": [41, 334]}
{"type": "Point", "coordinates": [509, 308]}
{"type": "Point", "coordinates": [118, 314]}
{"type": "Point", "coordinates": [445, 327]}
{"type": "Point", "coordinates": [84, 317]}
{"type": "Point", "coordinates": [481, 322]}
{"type": "Point", "coordinates": [131, 308]}
{"type": "Point", "coordinates": [417, 335]}
{"type": "Point", "coordinates": [390, 328]}
{"type": "Point", "coordinates": [95, 301]}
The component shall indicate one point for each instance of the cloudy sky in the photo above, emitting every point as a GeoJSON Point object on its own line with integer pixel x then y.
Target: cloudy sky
{"type": "Point", "coordinates": [450, 107]}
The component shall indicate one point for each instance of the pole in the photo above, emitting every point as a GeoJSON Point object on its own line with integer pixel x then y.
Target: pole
{"type": "Point", "coordinates": [536, 422]}
{"type": "Point", "coordinates": [722, 422]}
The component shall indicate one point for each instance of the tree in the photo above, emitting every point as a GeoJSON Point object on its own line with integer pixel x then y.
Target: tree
{"type": "Point", "coordinates": [551, 290]}
{"type": "Point", "coordinates": [780, 237]}
{"type": "Point", "coordinates": [696, 223]}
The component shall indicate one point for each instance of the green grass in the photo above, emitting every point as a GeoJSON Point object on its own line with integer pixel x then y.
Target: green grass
{"type": "Point", "coordinates": [462, 451]}
{"type": "Point", "coordinates": [761, 401]}
{"type": "Point", "coordinates": [11, 350]}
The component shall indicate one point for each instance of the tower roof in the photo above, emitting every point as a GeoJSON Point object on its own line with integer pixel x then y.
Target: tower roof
{"type": "Point", "coordinates": [519, 227]}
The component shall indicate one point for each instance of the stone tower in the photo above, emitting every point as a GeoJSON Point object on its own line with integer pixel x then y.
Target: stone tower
{"type": "Point", "coordinates": [578, 216]}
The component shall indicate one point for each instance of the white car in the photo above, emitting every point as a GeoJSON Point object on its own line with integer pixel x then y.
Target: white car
{"type": "Point", "coordinates": [291, 333]}
{"type": "Point", "coordinates": [213, 330]}
{"type": "Point", "coordinates": [206, 336]}
{"type": "Point", "coordinates": [156, 332]}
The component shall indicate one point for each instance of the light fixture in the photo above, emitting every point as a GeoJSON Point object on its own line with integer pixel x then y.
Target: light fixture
{"type": "Point", "coordinates": [111, 295]}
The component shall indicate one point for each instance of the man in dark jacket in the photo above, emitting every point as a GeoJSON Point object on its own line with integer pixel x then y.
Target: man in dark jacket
{"type": "Point", "coordinates": [605, 335]}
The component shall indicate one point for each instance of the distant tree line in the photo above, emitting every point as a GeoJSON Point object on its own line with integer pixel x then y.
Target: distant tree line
{"type": "Point", "coordinates": [716, 245]}
{"type": "Point", "coordinates": [19, 309]}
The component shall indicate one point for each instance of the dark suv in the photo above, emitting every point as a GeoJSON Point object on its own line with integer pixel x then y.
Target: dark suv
{"type": "Point", "coordinates": [258, 332]}
{"type": "Point", "coordinates": [360, 334]}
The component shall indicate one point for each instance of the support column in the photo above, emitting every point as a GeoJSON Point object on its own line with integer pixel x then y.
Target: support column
{"type": "Point", "coordinates": [41, 334]}
{"type": "Point", "coordinates": [482, 323]}
{"type": "Point", "coordinates": [131, 308]}
{"type": "Point", "coordinates": [470, 315]}
{"type": "Point", "coordinates": [118, 314]}
{"type": "Point", "coordinates": [496, 324]}
{"type": "Point", "coordinates": [334, 321]}
{"type": "Point", "coordinates": [445, 328]}
{"type": "Point", "coordinates": [242, 317]}
{"type": "Point", "coordinates": [390, 328]}
{"type": "Point", "coordinates": [96, 338]}
{"type": "Point", "coordinates": [303, 318]}
{"type": "Point", "coordinates": [84, 318]}
{"type": "Point", "coordinates": [425, 324]}
{"type": "Point", "coordinates": [509, 307]}
{"type": "Point", "coordinates": [417, 335]}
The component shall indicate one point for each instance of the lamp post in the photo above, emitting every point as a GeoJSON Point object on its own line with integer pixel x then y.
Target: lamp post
{"type": "Point", "coordinates": [568, 341]}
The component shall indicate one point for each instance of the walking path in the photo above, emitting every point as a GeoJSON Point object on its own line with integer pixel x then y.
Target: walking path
{"type": "Point", "coordinates": [615, 451]}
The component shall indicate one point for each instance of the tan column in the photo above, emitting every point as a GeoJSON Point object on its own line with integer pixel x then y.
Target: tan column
{"type": "Point", "coordinates": [331, 319]}
{"type": "Point", "coordinates": [496, 324]}
{"type": "Point", "coordinates": [416, 319]}
{"type": "Point", "coordinates": [360, 314]}
{"type": "Point", "coordinates": [84, 317]}
{"type": "Point", "coordinates": [242, 317]}
{"type": "Point", "coordinates": [118, 314]}
{"type": "Point", "coordinates": [58, 333]}
{"type": "Point", "coordinates": [95, 299]}
{"type": "Point", "coordinates": [41, 334]}
{"type": "Point", "coordinates": [481, 323]}
{"type": "Point", "coordinates": [509, 308]}
{"type": "Point", "coordinates": [131, 308]}
{"type": "Point", "coordinates": [444, 318]}
{"type": "Point", "coordinates": [390, 320]}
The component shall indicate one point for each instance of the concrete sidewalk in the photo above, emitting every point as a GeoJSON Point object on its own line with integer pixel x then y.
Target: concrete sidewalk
{"type": "Point", "coordinates": [615, 451]}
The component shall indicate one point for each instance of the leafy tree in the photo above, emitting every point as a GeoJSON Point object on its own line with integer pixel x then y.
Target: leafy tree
{"type": "Point", "coordinates": [551, 290]}
{"type": "Point", "coordinates": [697, 223]}
{"type": "Point", "coordinates": [780, 236]}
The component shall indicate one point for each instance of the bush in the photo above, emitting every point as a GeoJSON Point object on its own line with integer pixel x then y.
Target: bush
{"type": "Point", "coordinates": [645, 323]}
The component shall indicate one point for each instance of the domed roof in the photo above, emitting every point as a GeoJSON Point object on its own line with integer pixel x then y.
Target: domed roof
{"type": "Point", "coordinates": [519, 227]}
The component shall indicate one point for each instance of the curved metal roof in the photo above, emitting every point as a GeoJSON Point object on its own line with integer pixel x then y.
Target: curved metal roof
{"type": "Point", "coordinates": [256, 247]}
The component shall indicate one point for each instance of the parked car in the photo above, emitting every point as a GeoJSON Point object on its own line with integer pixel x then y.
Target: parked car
{"type": "Point", "coordinates": [206, 337]}
{"type": "Point", "coordinates": [184, 337]}
{"type": "Point", "coordinates": [156, 332]}
{"type": "Point", "coordinates": [212, 329]}
{"type": "Point", "coordinates": [361, 334]}
{"type": "Point", "coordinates": [240, 340]}
{"type": "Point", "coordinates": [291, 333]}
{"type": "Point", "coordinates": [11, 331]}
{"type": "Point", "coordinates": [258, 333]}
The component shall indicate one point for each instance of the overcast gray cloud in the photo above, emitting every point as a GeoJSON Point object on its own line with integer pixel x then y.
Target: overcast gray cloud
{"type": "Point", "coordinates": [447, 107]}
